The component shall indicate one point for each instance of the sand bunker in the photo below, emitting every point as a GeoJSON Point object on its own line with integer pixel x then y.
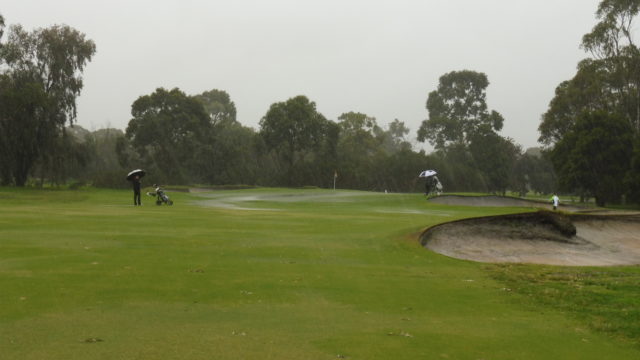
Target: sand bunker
{"type": "Point", "coordinates": [541, 238]}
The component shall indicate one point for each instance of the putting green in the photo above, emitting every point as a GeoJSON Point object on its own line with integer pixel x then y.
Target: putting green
{"type": "Point", "coordinates": [259, 274]}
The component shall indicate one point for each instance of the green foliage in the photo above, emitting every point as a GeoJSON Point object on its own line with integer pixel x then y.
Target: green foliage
{"type": "Point", "coordinates": [458, 110]}
{"type": "Point", "coordinates": [218, 104]}
{"type": "Point", "coordinates": [301, 139]}
{"type": "Point", "coordinates": [594, 156]}
{"type": "Point", "coordinates": [607, 83]}
{"type": "Point", "coordinates": [1, 27]}
{"type": "Point", "coordinates": [457, 169]}
{"type": "Point", "coordinates": [589, 89]}
{"type": "Point", "coordinates": [38, 90]}
{"type": "Point", "coordinates": [632, 178]}
{"type": "Point", "coordinates": [23, 135]}
{"type": "Point", "coordinates": [167, 129]}
{"type": "Point", "coordinates": [495, 157]}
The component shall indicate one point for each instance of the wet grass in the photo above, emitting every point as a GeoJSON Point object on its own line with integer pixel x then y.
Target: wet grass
{"type": "Point", "coordinates": [604, 299]}
{"type": "Point", "coordinates": [310, 274]}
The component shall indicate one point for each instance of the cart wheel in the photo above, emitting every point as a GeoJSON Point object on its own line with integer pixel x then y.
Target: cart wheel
{"type": "Point", "coordinates": [170, 202]}
{"type": "Point", "coordinates": [158, 202]}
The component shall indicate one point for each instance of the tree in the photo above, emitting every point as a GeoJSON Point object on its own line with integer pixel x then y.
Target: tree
{"type": "Point", "coordinates": [359, 151]}
{"type": "Point", "coordinates": [594, 156]}
{"type": "Point", "coordinates": [495, 158]}
{"type": "Point", "coordinates": [533, 172]}
{"type": "Point", "coordinates": [1, 27]}
{"type": "Point", "coordinates": [232, 149]}
{"type": "Point", "coordinates": [394, 138]}
{"type": "Point", "coordinates": [611, 40]}
{"type": "Point", "coordinates": [458, 109]}
{"type": "Point", "coordinates": [218, 104]}
{"type": "Point", "coordinates": [458, 170]}
{"type": "Point", "coordinates": [610, 81]}
{"type": "Point", "coordinates": [589, 90]}
{"type": "Point", "coordinates": [614, 31]}
{"type": "Point", "coordinates": [295, 131]}
{"type": "Point", "coordinates": [40, 84]}
{"type": "Point", "coordinates": [632, 179]}
{"type": "Point", "coordinates": [170, 131]}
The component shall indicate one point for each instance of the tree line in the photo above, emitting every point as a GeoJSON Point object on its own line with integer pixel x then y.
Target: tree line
{"type": "Point", "coordinates": [196, 139]}
{"type": "Point", "coordinates": [591, 129]}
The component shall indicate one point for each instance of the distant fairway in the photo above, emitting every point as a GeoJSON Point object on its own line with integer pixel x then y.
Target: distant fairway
{"type": "Point", "coordinates": [266, 274]}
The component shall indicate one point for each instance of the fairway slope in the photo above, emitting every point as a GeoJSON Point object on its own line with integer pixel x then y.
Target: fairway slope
{"type": "Point", "coordinates": [533, 238]}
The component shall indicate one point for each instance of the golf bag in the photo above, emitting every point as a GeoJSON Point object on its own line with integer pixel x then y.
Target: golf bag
{"type": "Point", "coordinates": [161, 197]}
{"type": "Point", "coordinates": [432, 186]}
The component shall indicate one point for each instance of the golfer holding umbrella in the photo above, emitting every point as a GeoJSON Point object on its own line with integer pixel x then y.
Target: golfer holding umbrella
{"type": "Point", "coordinates": [135, 176]}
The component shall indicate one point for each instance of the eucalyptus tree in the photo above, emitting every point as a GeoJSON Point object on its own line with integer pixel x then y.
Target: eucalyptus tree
{"type": "Point", "coordinates": [359, 150]}
{"type": "Point", "coordinates": [609, 81]}
{"type": "Point", "coordinates": [495, 158]}
{"type": "Point", "coordinates": [218, 105]}
{"type": "Point", "coordinates": [458, 109]}
{"type": "Point", "coordinates": [606, 83]}
{"type": "Point", "coordinates": [299, 136]}
{"type": "Point", "coordinates": [170, 131]}
{"type": "Point", "coordinates": [40, 82]}
{"type": "Point", "coordinates": [1, 27]}
{"type": "Point", "coordinates": [594, 156]}
{"type": "Point", "coordinates": [590, 89]}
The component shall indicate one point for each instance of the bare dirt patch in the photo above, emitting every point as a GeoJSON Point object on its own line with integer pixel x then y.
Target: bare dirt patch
{"type": "Point", "coordinates": [542, 237]}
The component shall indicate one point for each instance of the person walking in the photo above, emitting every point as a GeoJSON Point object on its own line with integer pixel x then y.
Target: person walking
{"type": "Point", "coordinates": [136, 191]}
{"type": "Point", "coordinates": [555, 200]}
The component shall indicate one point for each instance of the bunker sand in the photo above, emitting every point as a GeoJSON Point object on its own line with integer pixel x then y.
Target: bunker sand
{"type": "Point", "coordinates": [600, 240]}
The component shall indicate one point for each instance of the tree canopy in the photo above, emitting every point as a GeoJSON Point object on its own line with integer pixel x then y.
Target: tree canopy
{"type": "Point", "coordinates": [294, 130]}
{"type": "Point", "coordinates": [167, 129]}
{"type": "Point", "coordinates": [599, 108]}
{"type": "Point", "coordinates": [595, 155]}
{"type": "Point", "coordinates": [458, 109]}
{"type": "Point", "coordinates": [40, 84]}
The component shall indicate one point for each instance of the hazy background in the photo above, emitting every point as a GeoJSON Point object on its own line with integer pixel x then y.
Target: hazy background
{"type": "Point", "coordinates": [378, 57]}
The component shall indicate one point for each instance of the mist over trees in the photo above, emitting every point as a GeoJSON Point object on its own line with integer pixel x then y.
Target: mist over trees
{"type": "Point", "coordinates": [39, 83]}
{"type": "Point", "coordinates": [592, 127]}
{"type": "Point", "coordinates": [196, 139]}
{"type": "Point", "coordinates": [590, 133]}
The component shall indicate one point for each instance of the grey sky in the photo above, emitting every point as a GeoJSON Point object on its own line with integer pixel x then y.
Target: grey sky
{"type": "Point", "coordinates": [379, 57]}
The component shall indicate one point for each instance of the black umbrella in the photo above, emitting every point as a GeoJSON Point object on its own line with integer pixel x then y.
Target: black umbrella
{"type": "Point", "coordinates": [138, 172]}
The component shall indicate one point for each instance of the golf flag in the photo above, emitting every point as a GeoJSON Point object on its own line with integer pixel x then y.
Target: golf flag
{"type": "Point", "coordinates": [335, 174]}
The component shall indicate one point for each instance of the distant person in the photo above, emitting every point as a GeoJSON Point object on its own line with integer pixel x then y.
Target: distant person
{"type": "Point", "coordinates": [136, 190]}
{"type": "Point", "coordinates": [555, 200]}
{"type": "Point", "coordinates": [429, 185]}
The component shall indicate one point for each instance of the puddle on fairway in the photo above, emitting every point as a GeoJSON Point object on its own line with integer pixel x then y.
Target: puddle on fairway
{"type": "Point", "coordinates": [415, 212]}
{"type": "Point", "coordinates": [235, 202]}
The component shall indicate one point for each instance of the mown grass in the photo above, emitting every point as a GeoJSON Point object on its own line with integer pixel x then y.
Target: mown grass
{"type": "Point", "coordinates": [306, 274]}
{"type": "Point", "coordinates": [604, 299]}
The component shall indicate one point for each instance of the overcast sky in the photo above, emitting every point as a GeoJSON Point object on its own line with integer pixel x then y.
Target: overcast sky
{"type": "Point", "coordinates": [379, 57]}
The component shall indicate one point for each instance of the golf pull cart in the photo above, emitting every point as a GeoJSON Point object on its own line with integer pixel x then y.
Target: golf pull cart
{"type": "Point", "coordinates": [161, 197]}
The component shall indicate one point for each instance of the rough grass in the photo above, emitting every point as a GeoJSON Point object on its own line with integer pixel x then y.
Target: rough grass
{"type": "Point", "coordinates": [315, 274]}
{"type": "Point", "coordinates": [604, 299]}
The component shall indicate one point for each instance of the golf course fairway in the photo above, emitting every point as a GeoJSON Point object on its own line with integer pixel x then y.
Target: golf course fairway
{"type": "Point", "coordinates": [273, 274]}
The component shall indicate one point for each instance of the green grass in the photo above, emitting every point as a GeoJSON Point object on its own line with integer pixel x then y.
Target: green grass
{"type": "Point", "coordinates": [304, 274]}
{"type": "Point", "coordinates": [604, 299]}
